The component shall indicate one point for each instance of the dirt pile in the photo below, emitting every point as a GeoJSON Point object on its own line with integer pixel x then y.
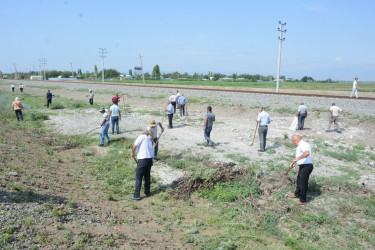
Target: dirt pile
{"type": "Point", "coordinates": [188, 184]}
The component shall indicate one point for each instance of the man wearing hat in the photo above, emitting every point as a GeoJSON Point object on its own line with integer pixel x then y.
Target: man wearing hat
{"type": "Point", "coordinates": [335, 114]}
{"type": "Point", "coordinates": [143, 145]}
{"type": "Point", "coordinates": [152, 128]}
{"type": "Point", "coordinates": [17, 108]}
{"type": "Point", "coordinates": [302, 114]}
{"type": "Point", "coordinates": [91, 97]}
{"type": "Point", "coordinates": [105, 126]}
{"type": "Point", "coordinates": [263, 120]}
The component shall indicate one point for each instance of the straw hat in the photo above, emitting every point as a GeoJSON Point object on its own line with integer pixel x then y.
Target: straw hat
{"type": "Point", "coordinates": [152, 123]}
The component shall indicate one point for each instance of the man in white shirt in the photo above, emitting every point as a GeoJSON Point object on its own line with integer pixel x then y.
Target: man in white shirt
{"type": "Point", "coordinates": [104, 126]}
{"type": "Point", "coordinates": [302, 114]}
{"type": "Point", "coordinates": [303, 159]}
{"type": "Point", "coordinates": [355, 88]}
{"type": "Point", "coordinates": [152, 128]}
{"type": "Point", "coordinates": [335, 114]}
{"type": "Point", "coordinates": [21, 87]}
{"type": "Point", "coordinates": [263, 120]}
{"type": "Point", "coordinates": [12, 87]}
{"type": "Point", "coordinates": [143, 144]}
{"type": "Point", "coordinates": [173, 100]}
{"type": "Point", "coordinates": [115, 117]}
{"type": "Point", "coordinates": [91, 97]}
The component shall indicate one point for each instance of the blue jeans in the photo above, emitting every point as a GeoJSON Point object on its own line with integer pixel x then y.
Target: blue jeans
{"type": "Point", "coordinates": [115, 120]}
{"type": "Point", "coordinates": [104, 133]}
{"type": "Point", "coordinates": [207, 133]}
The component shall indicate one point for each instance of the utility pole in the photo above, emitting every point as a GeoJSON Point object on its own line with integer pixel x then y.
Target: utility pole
{"type": "Point", "coordinates": [71, 66]}
{"type": "Point", "coordinates": [43, 61]}
{"type": "Point", "coordinates": [143, 75]}
{"type": "Point", "coordinates": [281, 39]}
{"type": "Point", "coordinates": [15, 71]}
{"type": "Point", "coordinates": [103, 53]}
{"type": "Point", "coordinates": [40, 67]}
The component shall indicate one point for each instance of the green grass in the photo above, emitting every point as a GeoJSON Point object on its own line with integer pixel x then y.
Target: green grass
{"type": "Point", "coordinates": [350, 156]}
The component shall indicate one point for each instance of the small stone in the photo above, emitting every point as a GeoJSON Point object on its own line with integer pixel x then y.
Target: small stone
{"type": "Point", "coordinates": [12, 174]}
{"type": "Point", "coordinates": [372, 164]}
{"type": "Point", "coordinates": [86, 187]}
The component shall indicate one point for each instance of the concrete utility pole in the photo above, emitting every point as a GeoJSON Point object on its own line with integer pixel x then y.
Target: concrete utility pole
{"type": "Point", "coordinates": [103, 53]}
{"type": "Point", "coordinates": [15, 71]}
{"type": "Point", "coordinates": [71, 66]}
{"type": "Point", "coordinates": [281, 39]}
{"type": "Point", "coordinates": [44, 62]}
{"type": "Point", "coordinates": [143, 75]}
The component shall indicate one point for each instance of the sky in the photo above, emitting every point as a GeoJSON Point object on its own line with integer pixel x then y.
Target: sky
{"type": "Point", "coordinates": [324, 39]}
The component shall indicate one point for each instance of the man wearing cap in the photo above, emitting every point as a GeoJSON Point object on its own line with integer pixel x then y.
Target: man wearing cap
{"type": "Point", "coordinates": [115, 117]}
{"type": "Point", "coordinates": [117, 98]}
{"type": "Point", "coordinates": [169, 111]}
{"type": "Point", "coordinates": [263, 120]}
{"type": "Point", "coordinates": [152, 128]}
{"type": "Point", "coordinates": [302, 114]}
{"type": "Point", "coordinates": [355, 88]}
{"type": "Point", "coordinates": [91, 97]}
{"type": "Point", "coordinates": [173, 100]}
{"type": "Point", "coordinates": [304, 161]}
{"type": "Point", "coordinates": [17, 108]}
{"type": "Point", "coordinates": [143, 145]}
{"type": "Point", "coordinates": [335, 114]}
{"type": "Point", "coordinates": [181, 103]}
{"type": "Point", "coordinates": [104, 126]}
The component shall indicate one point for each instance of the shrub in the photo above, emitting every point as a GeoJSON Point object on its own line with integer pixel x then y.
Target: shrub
{"type": "Point", "coordinates": [57, 105]}
{"type": "Point", "coordinates": [35, 116]}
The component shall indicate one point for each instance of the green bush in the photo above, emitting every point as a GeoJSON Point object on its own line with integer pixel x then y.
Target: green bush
{"type": "Point", "coordinates": [77, 104]}
{"type": "Point", "coordinates": [57, 105]}
{"type": "Point", "coordinates": [35, 116]}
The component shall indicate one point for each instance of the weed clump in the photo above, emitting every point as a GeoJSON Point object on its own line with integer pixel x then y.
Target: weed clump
{"type": "Point", "coordinates": [57, 105]}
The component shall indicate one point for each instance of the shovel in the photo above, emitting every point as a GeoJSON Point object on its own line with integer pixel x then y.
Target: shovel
{"type": "Point", "coordinates": [91, 131]}
{"type": "Point", "coordinates": [158, 139]}
{"type": "Point", "coordinates": [290, 167]}
{"type": "Point", "coordinates": [135, 160]}
{"type": "Point", "coordinates": [255, 132]}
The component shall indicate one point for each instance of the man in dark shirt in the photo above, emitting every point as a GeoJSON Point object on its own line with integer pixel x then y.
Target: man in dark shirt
{"type": "Point", "coordinates": [207, 126]}
{"type": "Point", "coordinates": [49, 98]}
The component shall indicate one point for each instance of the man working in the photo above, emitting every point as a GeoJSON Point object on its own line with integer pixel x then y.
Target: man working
{"type": "Point", "coordinates": [152, 128]}
{"type": "Point", "coordinates": [169, 111]}
{"type": "Point", "coordinates": [17, 108]}
{"type": "Point", "coordinates": [143, 144]}
{"type": "Point", "coordinates": [91, 97]}
{"type": "Point", "coordinates": [355, 88]}
{"type": "Point", "coordinates": [115, 116]}
{"type": "Point", "coordinates": [49, 98]}
{"type": "Point", "coordinates": [12, 87]}
{"type": "Point", "coordinates": [105, 126]}
{"type": "Point", "coordinates": [303, 159]}
{"type": "Point", "coordinates": [173, 99]}
{"type": "Point", "coordinates": [207, 125]}
{"type": "Point", "coordinates": [335, 114]}
{"type": "Point", "coordinates": [181, 102]}
{"type": "Point", "coordinates": [263, 120]}
{"type": "Point", "coordinates": [302, 114]}
{"type": "Point", "coordinates": [21, 87]}
{"type": "Point", "coordinates": [117, 98]}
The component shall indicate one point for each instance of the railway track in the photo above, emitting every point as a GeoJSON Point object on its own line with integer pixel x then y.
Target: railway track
{"type": "Point", "coordinates": [212, 89]}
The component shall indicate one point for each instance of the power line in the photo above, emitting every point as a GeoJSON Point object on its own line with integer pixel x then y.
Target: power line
{"type": "Point", "coordinates": [143, 76]}
{"type": "Point", "coordinates": [102, 54]}
{"type": "Point", "coordinates": [43, 62]}
{"type": "Point", "coordinates": [281, 39]}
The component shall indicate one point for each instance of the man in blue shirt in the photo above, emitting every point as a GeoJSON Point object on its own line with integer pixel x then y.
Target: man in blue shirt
{"type": "Point", "coordinates": [49, 98]}
{"type": "Point", "coordinates": [181, 102]}
{"type": "Point", "coordinates": [170, 110]}
{"type": "Point", "coordinates": [263, 120]}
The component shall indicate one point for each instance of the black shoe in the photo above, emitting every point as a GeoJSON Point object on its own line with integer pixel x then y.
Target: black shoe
{"type": "Point", "coordinates": [109, 142]}
{"type": "Point", "coordinates": [101, 145]}
{"type": "Point", "coordinates": [135, 198]}
{"type": "Point", "coordinates": [260, 150]}
{"type": "Point", "coordinates": [148, 195]}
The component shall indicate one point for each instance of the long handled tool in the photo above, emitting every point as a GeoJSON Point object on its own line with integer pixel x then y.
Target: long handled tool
{"type": "Point", "coordinates": [158, 139]}
{"type": "Point", "coordinates": [255, 132]}
{"type": "Point", "coordinates": [135, 160]}
{"type": "Point", "coordinates": [91, 130]}
{"type": "Point", "coordinates": [290, 167]}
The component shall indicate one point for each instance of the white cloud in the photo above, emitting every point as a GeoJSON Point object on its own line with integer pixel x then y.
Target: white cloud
{"type": "Point", "coordinates": [338, 59]}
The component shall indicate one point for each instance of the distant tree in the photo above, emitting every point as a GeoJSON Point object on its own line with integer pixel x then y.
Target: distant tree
{"type": "Point", "coordinates": [130, 72]}
{"type": "Point", "coordinates": [96, 71]}
{"type": "Point", "coordinates": [234, 76]}
{"type": "Point", "coordinates": [283, 77]}
{"type": "Point", "coordinates": [307, 79]}
{"type": "Point", "coordinates": [156, 72]}
{"type": "Point", "coordinates": [110, 73]}
{"type": "Point", "coordinates": [175, 75]}
{"type": "Point", "coordinates": [147, 75]}
{"type": "Point", "coordinates": [79, 72]}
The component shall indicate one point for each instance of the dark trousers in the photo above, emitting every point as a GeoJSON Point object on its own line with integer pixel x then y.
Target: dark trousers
{"type": "Point", "coordinates": [91, 101]}
{"type": "Point", "coordinates": [301, 121]}
{"type": "Point", "coordinates": [174, 106]}
{"type": "Point", "coordinates": [182, 109]}
{"type": "Point", "coordinates": [303, 181]}
{"type": "Point", "coordinates": [170, 118]}
{"type": "Point", "coordinates": [21, 89]}
{"type": "Point", "coordinates": [262, 131]}
{"type": "Point", "coordinates": [13, 89]}
{"type": "Point", "coordinates": [49, 101]}
{"type": "Point", "coordinates": [19, 115]}
{"type": "Point", "coordinates": [143, 170]}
